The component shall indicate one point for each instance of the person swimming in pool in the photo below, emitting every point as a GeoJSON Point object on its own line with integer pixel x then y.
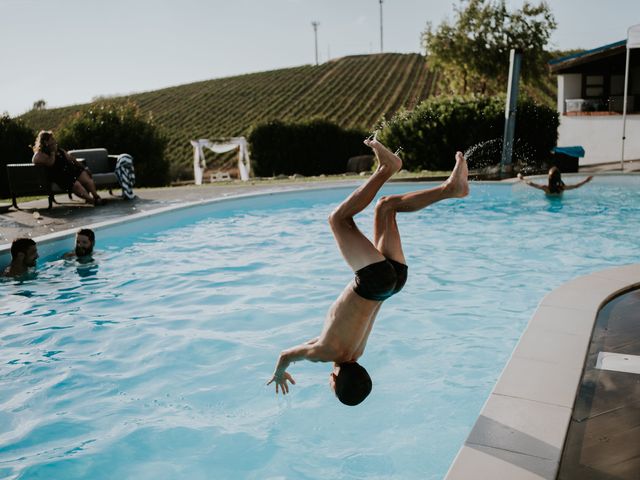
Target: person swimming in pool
{"type": "Point", "coordinates": [555, 185]}
{"type": "Point", "coordinates": [380, 272]}
{"type": "Point", "coordinates": [85, 242]}
{"type": "Point", "coordinates": [24, 254]}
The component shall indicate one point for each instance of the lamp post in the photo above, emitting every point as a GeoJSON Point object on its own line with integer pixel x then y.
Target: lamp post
{"type": "Point", "coordinates": [315, 24]}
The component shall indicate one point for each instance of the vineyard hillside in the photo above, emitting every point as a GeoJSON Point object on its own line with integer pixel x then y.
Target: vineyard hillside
{"type": "Point", "coordinates": [354, 92]}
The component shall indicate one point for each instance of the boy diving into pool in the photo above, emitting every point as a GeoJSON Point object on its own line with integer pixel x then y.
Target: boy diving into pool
{"type": "Point", "coordinates": [380, 272]}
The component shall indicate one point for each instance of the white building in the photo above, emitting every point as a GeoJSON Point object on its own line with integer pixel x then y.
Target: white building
{"type": "Point", "coordinates": [590, 98]}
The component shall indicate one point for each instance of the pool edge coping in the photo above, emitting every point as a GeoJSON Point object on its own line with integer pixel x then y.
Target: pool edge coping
{"type": "Point", "coordinates": [45, 242]}
{"type": "Point", "coordinates": [521, 429]}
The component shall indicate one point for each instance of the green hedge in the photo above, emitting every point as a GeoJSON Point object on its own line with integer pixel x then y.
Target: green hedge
{"type": "Point", "coordinates": [15, 141]}
{"type": "Point", "coordinates": [120, 128]}
{"type": "Point", "coordinates": [314, 147]}
{"type": "Point", "coordinates": [432, 133]}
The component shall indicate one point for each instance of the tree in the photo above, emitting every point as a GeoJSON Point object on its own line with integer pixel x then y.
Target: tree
{"type": "Point", "coordinates": [439, 126]}
{"type": "Point", "coordinates": [15, 138]}
{"type": "Point", "coordinates": [312, 147]}
{"type": "Point", "coordinates": [39, 104]}
{"type": "Point", "coordinates": [121, 128]}
{"type": "Point", "coordinates": [474, 51]}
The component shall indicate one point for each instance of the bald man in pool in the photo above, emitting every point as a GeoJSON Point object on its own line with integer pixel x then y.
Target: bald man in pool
{"type": "Point", "coordinates": [380, 272]}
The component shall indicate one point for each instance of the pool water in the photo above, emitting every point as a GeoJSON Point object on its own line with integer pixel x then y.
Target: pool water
{"type": "Point", "coordinates": [151, 363]}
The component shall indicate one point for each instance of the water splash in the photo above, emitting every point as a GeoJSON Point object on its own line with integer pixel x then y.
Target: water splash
{"type": "Point", "coordinates": [486, 156]}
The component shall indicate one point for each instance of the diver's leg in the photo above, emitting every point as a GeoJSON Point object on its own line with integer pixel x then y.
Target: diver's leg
{"type": "Point", "coordinates": [357, 250]}
{"type": "Point", "coordinates": [386, 235]}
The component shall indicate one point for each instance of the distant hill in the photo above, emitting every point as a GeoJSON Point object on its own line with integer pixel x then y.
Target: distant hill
{"type": "Point", "coordinates": [354, 92]}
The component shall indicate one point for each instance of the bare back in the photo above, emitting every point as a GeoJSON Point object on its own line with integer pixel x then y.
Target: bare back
{"type": "Point", "coordinates": [348, 325]}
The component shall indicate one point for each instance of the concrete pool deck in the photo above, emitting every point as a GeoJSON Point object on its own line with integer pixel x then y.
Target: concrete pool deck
{"type": "Point", "coordinates": [521, 431]}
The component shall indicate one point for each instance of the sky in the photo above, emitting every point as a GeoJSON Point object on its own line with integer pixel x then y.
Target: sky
{"type": "Point", "coordinates": [71, 51]}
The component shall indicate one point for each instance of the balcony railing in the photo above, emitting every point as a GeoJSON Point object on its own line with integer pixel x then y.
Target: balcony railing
{"type": "Point", "coordinates": [598, 106]}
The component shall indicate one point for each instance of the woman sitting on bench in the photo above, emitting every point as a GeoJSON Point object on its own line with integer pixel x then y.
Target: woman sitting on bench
{"type": "Point", "coordinates": [65, 170]}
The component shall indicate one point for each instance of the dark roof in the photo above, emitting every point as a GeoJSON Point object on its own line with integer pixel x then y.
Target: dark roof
{"type": "Point", "coordinates": [558, 64]}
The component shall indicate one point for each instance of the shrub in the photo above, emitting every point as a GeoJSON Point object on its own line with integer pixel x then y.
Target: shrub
{"type": "Point", "coordinates": [15, 138]}
{"type": "Point", "coordinates": [432, 133]}
{"type": "Point", "coordinates": [310, 148]}
{"type": "Point", "coordinates": [120, 128]}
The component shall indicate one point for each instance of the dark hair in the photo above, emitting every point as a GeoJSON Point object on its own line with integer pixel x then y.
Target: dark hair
{"type": "Point", "coordinates": [556, 185]}
{"type": "Point", "coordinates": [353, 383]}
{"type": "Point", "coordinates": [20, 245]}
{"type": "Point", "coordinates": [87, 232]}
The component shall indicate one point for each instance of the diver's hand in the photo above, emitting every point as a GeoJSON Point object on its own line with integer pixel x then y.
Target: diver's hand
{"type": "Point", "coordinates": [281, 382]}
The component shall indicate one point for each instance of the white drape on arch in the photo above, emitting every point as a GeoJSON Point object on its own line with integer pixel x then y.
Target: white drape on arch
{"type": "Point", "coordinates": [220, 146]}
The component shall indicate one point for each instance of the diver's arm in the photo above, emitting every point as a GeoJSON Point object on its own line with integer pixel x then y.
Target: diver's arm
{"type": "Point", "coordinates": [310, 350]}
{"type": "Point", "coordinates": [306, 351]}
{"type": "Point", "coordinates": [579, 184]}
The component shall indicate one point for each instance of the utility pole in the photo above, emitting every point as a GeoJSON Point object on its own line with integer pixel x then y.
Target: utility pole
{"type": "Point", "coordinates": [315, 32]}
{"type": "Point", "coordinates": [633, 41]}
{"type": "Point", "coordinates": [381, 47]}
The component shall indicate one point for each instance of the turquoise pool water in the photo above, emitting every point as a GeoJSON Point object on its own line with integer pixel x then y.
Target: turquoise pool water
{"type": "Point", "coordinates": [151, 363]}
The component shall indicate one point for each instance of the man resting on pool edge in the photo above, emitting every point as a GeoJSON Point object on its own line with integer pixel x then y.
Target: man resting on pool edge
{"type": "Point", "coordinates": [380, 272]}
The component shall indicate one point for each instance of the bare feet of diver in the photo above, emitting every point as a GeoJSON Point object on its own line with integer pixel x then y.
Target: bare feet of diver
{"type": "Point", "coordinates": [385, 157]}
{"type": "Point", "coordinates": [457, 185]}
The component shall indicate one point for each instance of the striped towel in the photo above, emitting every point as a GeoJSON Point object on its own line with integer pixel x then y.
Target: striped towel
{"type": "Point", "coordinates": [126, 175]}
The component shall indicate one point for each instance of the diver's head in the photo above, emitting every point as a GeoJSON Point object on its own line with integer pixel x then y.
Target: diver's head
{"type": "Point", "coordinates": [351, 382]}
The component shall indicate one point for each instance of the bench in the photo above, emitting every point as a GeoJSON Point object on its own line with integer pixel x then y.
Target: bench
{"type": "Point", "coordinates": [102, 166]}
{"type": "Point", "coordinates": [26, 179]}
